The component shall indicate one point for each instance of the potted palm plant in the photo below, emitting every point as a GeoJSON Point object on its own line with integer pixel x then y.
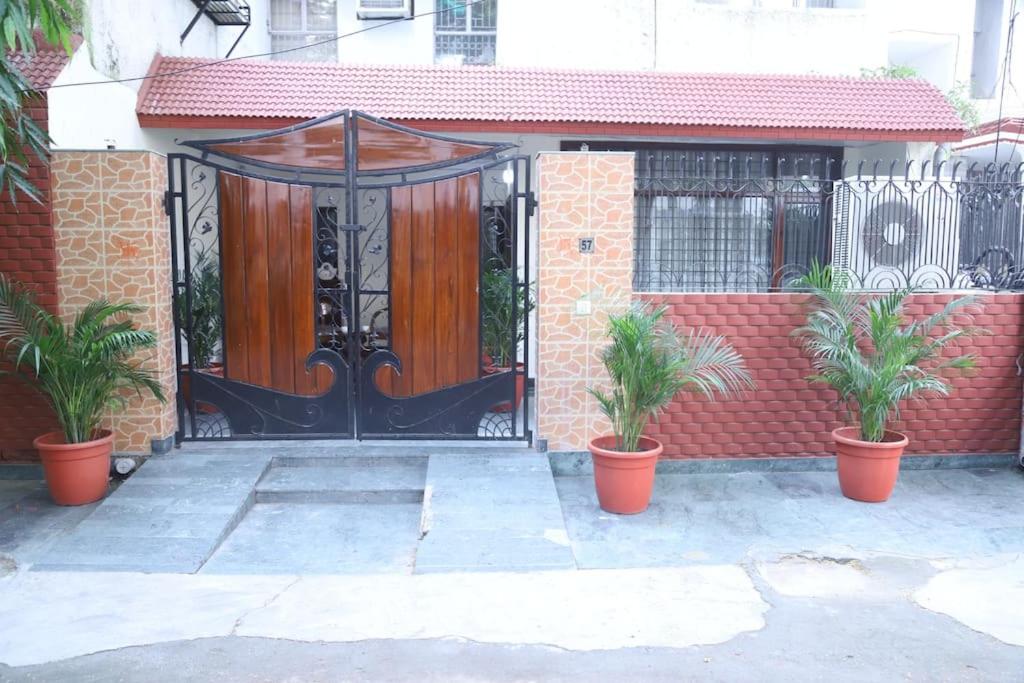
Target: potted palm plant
{"type": "Point", "coordinates": [83, 368]}
{"type": "Point", "coordinates": [649, 362]}
{"type": "Point", "coordinates": [504, 307]}
{"type": "Point", "coordinates": [202, 331]}
{"type": "Point", "coordinates": [861, 346]}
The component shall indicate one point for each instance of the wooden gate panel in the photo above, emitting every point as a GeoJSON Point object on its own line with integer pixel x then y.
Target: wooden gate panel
{"type": "Point", "coordinates": [236, 360]}
{"type": "Point", "coordinates": [446, 236]}
{"type": "Point", "coordinates": [467, 286]}
{"type": "Point", "coordinates": [279, 280]}
{"type": "Point", "coordinates": [257, 286]}
{"type": "Point", "coordinates": [435, 271]}
{"type": "Point", "coordinates": [267, 279]}
{"type": "Point", "coordinates": [423, 297]}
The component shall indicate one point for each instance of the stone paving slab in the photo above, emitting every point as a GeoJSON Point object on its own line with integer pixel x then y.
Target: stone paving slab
{"type": "Point", "coordinates": [492, 512]}
{"type": "Point", "coordinates": [711, 518]}
{"type": "Point", "coordinates": [345, 481]}
{"type": "Point", "coordinates": [168, 517]}
{"type": "Point", "coordinates": [30, 522]}
{"type": "Point", "coordinates": [296, 538]}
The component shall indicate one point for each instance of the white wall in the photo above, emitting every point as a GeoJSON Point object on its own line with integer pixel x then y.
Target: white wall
{"type": "Point", "coordinates": [587, 34]}
{"type": "Point", "coordinates": [405, 42]}
{"type": "Point", "coordinates": [124, 36]}
{"type": "Point", "coordinates": [93, 116]}
{"type": "Point", "coordinates": [935, 37]}
{"type": "Point", "coordinates": [696, 37]}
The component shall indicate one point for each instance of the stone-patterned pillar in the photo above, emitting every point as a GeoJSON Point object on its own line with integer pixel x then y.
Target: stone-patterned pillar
{"type": "Point", "coordinates": [112, 242]}
{"type": "Point", "coordinates": [582, 196]}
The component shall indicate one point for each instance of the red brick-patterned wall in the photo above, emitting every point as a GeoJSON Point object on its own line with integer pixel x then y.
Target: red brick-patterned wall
{"type": "Point", "coordinates": [787, 416]}
{"type": "Point", "coordinates": [27, 254]}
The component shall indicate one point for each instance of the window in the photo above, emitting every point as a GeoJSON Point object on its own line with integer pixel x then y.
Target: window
{"type": "Point", "coordinates": [294, 23]}
{"type": "Point", "coordinates": [728, 219]}
{"type": "Point", "coordinates": [465, 34]}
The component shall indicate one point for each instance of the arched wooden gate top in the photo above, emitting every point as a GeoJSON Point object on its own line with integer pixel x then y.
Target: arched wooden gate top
{"type": "Point", "coordinates": [350, 140]}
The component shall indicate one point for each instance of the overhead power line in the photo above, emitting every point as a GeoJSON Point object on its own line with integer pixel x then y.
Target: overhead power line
{"type": "Point", "coordinates": [218, 62]}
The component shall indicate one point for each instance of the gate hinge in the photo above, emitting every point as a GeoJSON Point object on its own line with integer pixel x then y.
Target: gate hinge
{"type": "Point", "coordinates": [167, 202]}
{"type": "Point", "coordinates": [531, 202]}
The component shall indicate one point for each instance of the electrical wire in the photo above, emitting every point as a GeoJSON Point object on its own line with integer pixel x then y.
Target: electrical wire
{"type": "Point", "coordinates": [207, 65]}
{"type": "Point", "coordinates": [1006, 73]}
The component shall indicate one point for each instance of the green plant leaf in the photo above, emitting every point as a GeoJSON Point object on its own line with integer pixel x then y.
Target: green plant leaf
{"type": "Point", "coordinates": [862, 346]}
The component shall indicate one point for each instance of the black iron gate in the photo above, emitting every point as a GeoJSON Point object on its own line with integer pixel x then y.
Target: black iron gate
{"type": "Point", "coordinates": [350, 277]}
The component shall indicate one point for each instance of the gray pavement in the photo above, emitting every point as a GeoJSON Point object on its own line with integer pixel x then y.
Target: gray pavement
{"type": "Point", "coordinates": [167, 517]}
{"type": "Point", "coordinates": [876, 638]}
{"type": "Point", "coordinates": [479, 565]}
{"type": "Point", "coordinates": [727, 519]}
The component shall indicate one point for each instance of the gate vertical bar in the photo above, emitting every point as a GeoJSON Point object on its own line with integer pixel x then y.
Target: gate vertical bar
{"type": "Point", "coordinates": [170, 201]}
{"type": "Point", "coordinates": [527, 211]}
{"type": "Point", "coordinates": [187, 259]}
{"type": "Point", "coordinates": [514, 275]}
{"type": "Point", "coordinates": [352, 248]}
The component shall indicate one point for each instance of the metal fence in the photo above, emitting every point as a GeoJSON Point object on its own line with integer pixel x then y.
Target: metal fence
{"type": "Point", "coordinates": [755, 223]}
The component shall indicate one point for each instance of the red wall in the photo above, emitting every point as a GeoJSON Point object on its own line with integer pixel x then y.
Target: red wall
{"type": "Point", "coordinates": [27, 254]}
{"type": "Point", "coordinates": [787, 416]}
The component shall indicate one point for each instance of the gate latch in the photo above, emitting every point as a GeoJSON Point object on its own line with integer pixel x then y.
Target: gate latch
{"type": "Point", "coordinates": [531, 203]}
{"type": "Point", "coordinates": [351, 227]}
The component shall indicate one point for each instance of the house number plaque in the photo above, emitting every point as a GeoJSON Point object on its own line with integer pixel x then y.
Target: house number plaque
{"type": "Point", "coordinates": [586, 245]}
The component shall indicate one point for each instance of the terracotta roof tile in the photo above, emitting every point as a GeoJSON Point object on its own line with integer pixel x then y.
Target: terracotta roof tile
{"type": "Point", "coordinates": [42, 67]}
{"type": "Point", "coordinates": [295, 90]}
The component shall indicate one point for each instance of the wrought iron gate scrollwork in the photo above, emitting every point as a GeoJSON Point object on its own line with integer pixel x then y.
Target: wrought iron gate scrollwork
{"type": "Point", "coordinates": [298, 242]}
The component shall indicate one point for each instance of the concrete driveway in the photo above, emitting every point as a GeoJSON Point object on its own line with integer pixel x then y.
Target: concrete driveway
{"type": "Point", "coordinates": [767, 576]}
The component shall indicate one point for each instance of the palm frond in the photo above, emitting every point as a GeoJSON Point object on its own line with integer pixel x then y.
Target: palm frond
{"type": "Point", "coordinates": [863, 348]}
{"type": "Point", "coordinates": [649, 363]}
{"type": "Point", "coordinates": [80, 367]}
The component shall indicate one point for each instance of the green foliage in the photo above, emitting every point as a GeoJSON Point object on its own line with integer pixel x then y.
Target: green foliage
{"type": "Point", "coordinates": [83, 368]}
{"type": "Point", "coordinates": [889, 71]}
{"type": "Point", "coordinates": [19, 134]}
{"type": "Point", "coordinates": [205, 335]}
{"type": "Point", "coordinates": [958, 96]}
{"type": "Point", "coordinates": [649, 362]}
{"type": "Point", "coordinates": [861, 347]}
{"type": "Point", "coordinates": [504, 306]}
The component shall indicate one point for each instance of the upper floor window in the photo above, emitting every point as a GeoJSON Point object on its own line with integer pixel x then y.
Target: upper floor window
{"type": "Point", "coordinates": [465, 33]}
{"type": "Point", "coordinates": [294, 23]}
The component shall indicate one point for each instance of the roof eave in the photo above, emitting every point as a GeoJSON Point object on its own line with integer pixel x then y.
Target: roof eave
{"type": "Point", "coordinates": [591, 128]}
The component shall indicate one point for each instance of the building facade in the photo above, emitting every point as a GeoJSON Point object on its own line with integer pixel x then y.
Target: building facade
{"type": "Point", "coordinates": [753, 141]}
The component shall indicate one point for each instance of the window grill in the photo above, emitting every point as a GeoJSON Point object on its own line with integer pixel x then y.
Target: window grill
{"type": "Point", "coordinates": [297, 23]}
{"type": "Point", "coordinates": [733, 220]}
{"type": "Point", "coordinates": [466, 34]}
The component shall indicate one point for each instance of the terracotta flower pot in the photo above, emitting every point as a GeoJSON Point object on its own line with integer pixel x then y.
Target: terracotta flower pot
{"type": "Point", "coordinates": [624, 480]}
{"type": "Point", "coordinates": [506, 407]}
{"type": "Point", "coordinates": [868, 469]}
{"type": "Point", "coordinates": [76, 473]}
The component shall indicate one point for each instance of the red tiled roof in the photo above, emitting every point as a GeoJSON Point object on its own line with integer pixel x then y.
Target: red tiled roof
{"type": "Point", "coordinates": [42, 67]}
{"type": "Point", "coordinates": [264, 93]}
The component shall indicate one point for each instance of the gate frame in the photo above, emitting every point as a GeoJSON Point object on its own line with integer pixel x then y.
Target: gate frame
{"type": "Point", "coordinates": [349, 181]}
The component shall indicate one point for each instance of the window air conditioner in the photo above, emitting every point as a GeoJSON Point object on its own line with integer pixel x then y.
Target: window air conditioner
{"type": "Point", "coordinates": [384, 9]}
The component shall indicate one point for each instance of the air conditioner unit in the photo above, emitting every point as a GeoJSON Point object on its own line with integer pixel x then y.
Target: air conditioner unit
{"type": "Point", "coordinates": [384, 9]}
{"type": "Point", "coordinates": [891, 232]}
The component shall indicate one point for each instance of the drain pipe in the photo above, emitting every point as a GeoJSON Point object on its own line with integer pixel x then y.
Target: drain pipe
{"type": "Point", "coordinates": [123, 466]}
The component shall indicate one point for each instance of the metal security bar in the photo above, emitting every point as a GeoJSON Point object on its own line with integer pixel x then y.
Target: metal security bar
{"type": "Point", "coordinates": [710, 222]}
